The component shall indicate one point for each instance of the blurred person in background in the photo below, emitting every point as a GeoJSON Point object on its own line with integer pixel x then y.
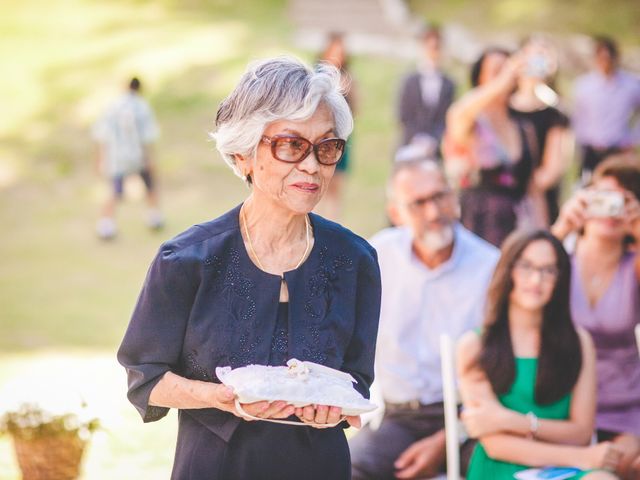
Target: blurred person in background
{"type": "Point", "coordinates": [435, 275]}
{"type": "Point", "coordinates": [606, 116]}
{"type": "Point", "coordinates": [124, 135]}
{"type": "Point", "coordinates": [535, 101]}
{"type": "Point", "coordinates": [263, 283]}
{"type": "Point", "coordinates": [489, 152]}
{"type": "Point", "coordinates": [425, 96]}
{"type": "Point", "coordinates": [528, 378]}
{"type": "Point", "coordinates": [605, 295]}
{"type": "Point", "coordinates": [335, 53]}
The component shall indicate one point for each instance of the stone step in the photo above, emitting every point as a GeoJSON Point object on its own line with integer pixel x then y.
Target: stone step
{"type": "Point", "coordinates": [370, 26]}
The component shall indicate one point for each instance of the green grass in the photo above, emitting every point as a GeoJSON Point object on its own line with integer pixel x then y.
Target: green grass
{"type": "Point", "coordinates": [59, 286]}
{"type": "Point", "coordinates": [620, 18]}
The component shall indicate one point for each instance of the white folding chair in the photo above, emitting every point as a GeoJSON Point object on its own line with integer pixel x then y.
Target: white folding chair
{"type": "Point", "coordinates": [451, 425]}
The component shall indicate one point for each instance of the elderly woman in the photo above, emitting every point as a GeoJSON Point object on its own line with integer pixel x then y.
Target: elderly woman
{"type": "Point", "coordinates": [263, 283]}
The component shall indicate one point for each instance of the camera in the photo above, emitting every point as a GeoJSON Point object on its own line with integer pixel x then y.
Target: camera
{"type": "Point", "coordinates": [605, 203]}
{"type": "Point", "coordinates": [538, 66]}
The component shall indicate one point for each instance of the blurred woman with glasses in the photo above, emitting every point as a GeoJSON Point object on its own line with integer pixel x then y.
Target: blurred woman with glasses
{"type": "Point", "coordinates": [263, 283]}
{"type": "Point", "coordinates": [528, 379]}
{"type": "Point", "coordinates": [605, 295]}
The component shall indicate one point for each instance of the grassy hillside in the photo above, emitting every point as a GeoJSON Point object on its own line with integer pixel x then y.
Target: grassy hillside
{"type": "Point", "coordinates": [619, 18]}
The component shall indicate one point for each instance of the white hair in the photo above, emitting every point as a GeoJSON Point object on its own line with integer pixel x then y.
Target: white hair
{"type": "Point", "coordinates": [281, 88]}
{"type": "Point", "coordinates": [424, 165]}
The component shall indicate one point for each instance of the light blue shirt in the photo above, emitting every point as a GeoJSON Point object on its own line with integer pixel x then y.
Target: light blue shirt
{"type": "Point", "coordinates": [124, 130]}
{"type": "Point", "coordinates": [605, 108]}
{"type": "Point", "coordinates": [418, 304]}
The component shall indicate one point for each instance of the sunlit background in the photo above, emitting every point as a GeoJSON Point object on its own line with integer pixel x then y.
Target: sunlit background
{"type": "Point", "coordinates": [66, 297]}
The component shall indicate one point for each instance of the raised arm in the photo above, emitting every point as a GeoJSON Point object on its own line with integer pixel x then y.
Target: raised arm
{"type": "Point", "coordinates": [463, 114]}
{"type": "Point", "coordinates": [573, 215]}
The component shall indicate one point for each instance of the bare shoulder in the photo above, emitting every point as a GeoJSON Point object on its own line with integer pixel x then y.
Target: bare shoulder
{"type": "Point", "coordinates": [468, 350]}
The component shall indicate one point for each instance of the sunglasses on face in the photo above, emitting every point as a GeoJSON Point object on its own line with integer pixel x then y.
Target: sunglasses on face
{"type": "Point", "coordinates": [294, 149]}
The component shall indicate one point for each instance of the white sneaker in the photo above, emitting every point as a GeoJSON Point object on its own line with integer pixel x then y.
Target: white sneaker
{"type": "Point", "coordinates": [106, 228]}
{"type": "Point", "coordinates": [155, 220]}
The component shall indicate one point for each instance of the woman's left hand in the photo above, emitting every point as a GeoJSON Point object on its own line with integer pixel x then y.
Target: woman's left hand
{"type": "Point", "coordinates": [323, 416]}
{"type": "Point", "coordinates": [484, 418]}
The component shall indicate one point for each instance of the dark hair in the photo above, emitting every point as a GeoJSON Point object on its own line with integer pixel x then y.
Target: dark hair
{"type": "Point", "coordinates": [134, 84]}
{"type": "Point", "coordinates": [608, 44]}
{"type": "Point", "coordinates": [560, 356]}
{"type": "Point", "coordinates": [625, 169]}
{"type": "Point", "coordinates": [476, 68]}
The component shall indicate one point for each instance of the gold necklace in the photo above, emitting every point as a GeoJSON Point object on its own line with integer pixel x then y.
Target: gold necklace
{"type": "Point", "coordinates": [307, 227]}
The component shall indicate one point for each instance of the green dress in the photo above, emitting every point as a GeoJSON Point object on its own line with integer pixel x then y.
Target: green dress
{"type": "Point", "coordinates": [521, 399]}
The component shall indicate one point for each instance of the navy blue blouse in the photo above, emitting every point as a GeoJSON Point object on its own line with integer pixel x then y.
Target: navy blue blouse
{"type": "Point", "coordinates": [205, 304]}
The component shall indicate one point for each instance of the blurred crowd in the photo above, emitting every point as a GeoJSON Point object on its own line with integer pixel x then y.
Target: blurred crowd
{"type": "Point", "coordinates": [548, 368]}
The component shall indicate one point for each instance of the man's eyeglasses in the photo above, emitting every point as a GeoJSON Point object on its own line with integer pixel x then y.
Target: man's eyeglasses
{"type": "Point", "coordinates": [439, 199]}
{"type": "Point", "coordinates": [294, 149]}
{"type": "Point", "coordinates": [547, 272]}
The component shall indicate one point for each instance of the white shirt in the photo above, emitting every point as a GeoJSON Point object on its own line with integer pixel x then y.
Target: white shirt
{"type": "Point", "coordinates": [430, 86]}
{"type": "Point", "coordinates": [126, 127]}
{"type": "Point", "coordinates": [606, 110]}
{"type": "Point", "coordinates": [418, 304]}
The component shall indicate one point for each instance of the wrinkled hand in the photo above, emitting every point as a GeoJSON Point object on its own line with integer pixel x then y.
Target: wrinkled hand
{"type": "Point", "coordinates": [323, 416]}
{"type": "Point", "coordinates": [422, 458]}
{"type": "Point", "coordinates": [484, 418]}
{"type": "Point", "coordinates": [224, 399]}
{"type": "Point", "coordinates": [604, 455]}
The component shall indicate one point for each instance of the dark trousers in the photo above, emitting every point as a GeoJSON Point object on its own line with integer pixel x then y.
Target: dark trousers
{"type": "Point", "coordinates": [373, 452]}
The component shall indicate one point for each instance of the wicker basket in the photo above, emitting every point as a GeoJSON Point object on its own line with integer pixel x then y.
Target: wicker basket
{"type": "Point", "coordinates": [51, 457]}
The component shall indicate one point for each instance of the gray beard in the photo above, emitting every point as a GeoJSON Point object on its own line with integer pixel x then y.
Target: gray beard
{"type": "Point", "coordinates": [437, 240]}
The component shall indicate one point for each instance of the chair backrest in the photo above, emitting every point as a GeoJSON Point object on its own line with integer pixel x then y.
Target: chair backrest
{"type": "Point", "coordinates": [450, 407]}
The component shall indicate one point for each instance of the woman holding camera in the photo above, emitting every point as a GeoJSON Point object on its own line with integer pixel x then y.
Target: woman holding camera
{"type": "Point", "coordinates": [605, 296]}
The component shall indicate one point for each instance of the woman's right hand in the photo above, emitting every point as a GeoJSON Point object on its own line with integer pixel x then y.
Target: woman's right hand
{"type": "Point", "coordinates": [224, 399]}
{"type": "Point", "coordinates": [511, 70]}
{"type": "Point", "coordinates": [603, 455]}
{"type": "Point", "coordinates": [573, 215]}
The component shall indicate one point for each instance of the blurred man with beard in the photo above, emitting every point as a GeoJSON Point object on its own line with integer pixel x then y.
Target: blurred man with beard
{"type": "Point", "coordinates": [434, 279]}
